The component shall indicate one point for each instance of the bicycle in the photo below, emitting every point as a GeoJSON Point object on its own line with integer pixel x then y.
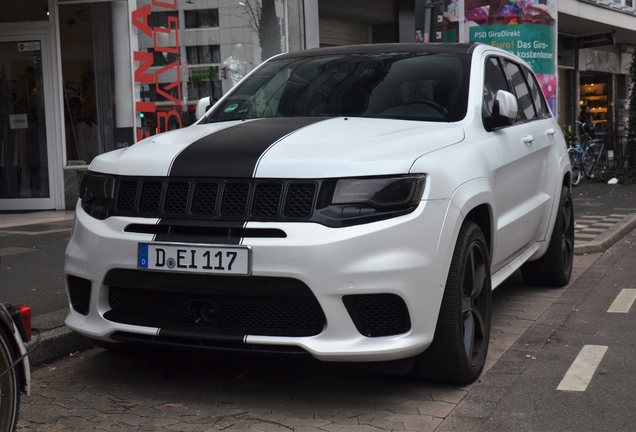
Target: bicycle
{"type": "Point", "coordinates": [595, 158]}
{"type": "Point", "coordinates": [576, 154]}
{"type": "Point", "coordinates": [15, 330]}
{"type": "Point", "coordinates": [577, 161]}
{"type": "Point", "coordinates": [587, 159]}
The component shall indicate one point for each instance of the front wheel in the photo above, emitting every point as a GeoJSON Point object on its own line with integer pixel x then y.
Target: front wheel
{"type": "Point", "coordinates": [458, 352]}
{"type": "Point", "coordinates": [9, 385]}
{"type": "Point", "coordinates": [576, 166]}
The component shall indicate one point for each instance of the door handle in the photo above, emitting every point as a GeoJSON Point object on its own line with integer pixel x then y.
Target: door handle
{"type": "Point", "coordinates": [528, 139]}
{"type": "Point", "coordinates": [550, 132]}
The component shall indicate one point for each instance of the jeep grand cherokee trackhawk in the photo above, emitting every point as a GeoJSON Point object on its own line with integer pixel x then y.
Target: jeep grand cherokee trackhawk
{"type": "Point", "coordinates": [357, 203]}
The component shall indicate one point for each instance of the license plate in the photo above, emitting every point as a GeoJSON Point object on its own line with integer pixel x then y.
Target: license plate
{"type": "Point", "coordinates": [187, 258]}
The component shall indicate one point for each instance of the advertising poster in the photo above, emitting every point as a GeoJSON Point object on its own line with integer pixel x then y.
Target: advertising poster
{"type": "Point", "coordinates": [526, 28]}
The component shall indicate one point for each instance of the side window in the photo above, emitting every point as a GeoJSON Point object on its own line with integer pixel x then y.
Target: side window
{"type": "Point", "coordinates": [536, 93]}
{"type": "Point", "coordinates": [524, 98]}
{"type": "Point", "coordinates": [495, 80]}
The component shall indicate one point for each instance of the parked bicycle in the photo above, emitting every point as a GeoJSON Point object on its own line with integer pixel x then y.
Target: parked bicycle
{"type": "Point", "coordinates": [588, 159]}
{"type": "Point", "coordinates": [595, 158]}
{"type": "Point", "coordinates": [576, 154]}
{"type": "Point", "coordinates": [15, 330]}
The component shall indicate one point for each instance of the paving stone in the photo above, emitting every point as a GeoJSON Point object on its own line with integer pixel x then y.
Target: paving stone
{"type": "Point", "coordinates": [380, 422]}
{"type": "Point", "coordinates": [422, 423]}
{"type": "Point", "coordinates": [433, 408]}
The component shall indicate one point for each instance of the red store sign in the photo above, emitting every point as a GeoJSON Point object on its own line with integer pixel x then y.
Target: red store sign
{"type": "Point", "coordinates": [145, 61]}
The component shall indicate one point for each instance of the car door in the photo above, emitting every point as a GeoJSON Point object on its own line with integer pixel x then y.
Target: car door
{"type": "Point", "coordinates": [519, 180]}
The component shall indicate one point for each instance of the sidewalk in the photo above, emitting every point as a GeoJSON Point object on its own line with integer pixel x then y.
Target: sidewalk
{"type": "Point", "coordinates": [594, 233]}
{"type": "Point", "coordinates": [8, 220]}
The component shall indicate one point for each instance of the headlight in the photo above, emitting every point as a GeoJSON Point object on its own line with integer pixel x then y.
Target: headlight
{"type": "Point", "coordinates": [355, 201]}
{"type": "Point", "coordinates": [388, 193]}
{"type": "Point", "coordinates": [97, 192]}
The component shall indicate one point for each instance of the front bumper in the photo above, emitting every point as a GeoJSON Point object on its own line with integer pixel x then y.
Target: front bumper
{"type": "Point", "coordinates": [407, 256]}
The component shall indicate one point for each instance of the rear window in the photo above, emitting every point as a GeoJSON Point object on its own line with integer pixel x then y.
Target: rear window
{"type": "Point", "coordinates": [409, 86]}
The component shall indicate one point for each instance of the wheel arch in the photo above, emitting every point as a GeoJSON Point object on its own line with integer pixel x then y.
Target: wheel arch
{"type": "Point", "coordinates": [482, 217]}
{"type": "Point", "coordinates": [475, 202]}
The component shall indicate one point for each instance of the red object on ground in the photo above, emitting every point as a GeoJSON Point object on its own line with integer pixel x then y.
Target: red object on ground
{"type": "Point", "coordinates": [25, 315]}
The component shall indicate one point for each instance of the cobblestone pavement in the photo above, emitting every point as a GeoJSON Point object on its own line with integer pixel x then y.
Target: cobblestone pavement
{"type": "Point", "coordinates": [101, 390]}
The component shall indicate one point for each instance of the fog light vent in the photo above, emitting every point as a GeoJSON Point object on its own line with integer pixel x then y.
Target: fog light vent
{"type": "Point", "coordinates": [376, 315]}
{"type": "Point", "coordinates": [79, 290]}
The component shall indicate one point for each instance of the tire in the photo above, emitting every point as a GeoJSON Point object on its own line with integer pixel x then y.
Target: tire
{"type": "Point", "coordinates": [460, 345]}
{"type": "Point", "coordinates": [576, 167]}
{"type": "Point", "coordinates": [554, 268]}
{"type": "Point", "coordinates": [9, 385]}
{"type": "Point", "coordinates": [594, 162]}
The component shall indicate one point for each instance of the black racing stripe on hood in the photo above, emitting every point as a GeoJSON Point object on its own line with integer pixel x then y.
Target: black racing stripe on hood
{"type": "Point", "coordinates": [235, 151]}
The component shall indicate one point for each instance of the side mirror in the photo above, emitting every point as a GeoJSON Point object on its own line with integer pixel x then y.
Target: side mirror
{"type": "Point", "coordinates": [504, 111]}
{"type": "Point", "coordinates": [203, 105]}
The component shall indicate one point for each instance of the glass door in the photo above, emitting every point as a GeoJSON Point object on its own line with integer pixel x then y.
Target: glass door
{"type": "Point", "coordinates": [25, 171]}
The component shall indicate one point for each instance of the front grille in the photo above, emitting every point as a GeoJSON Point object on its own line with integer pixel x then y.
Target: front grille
{"type": "Point", "coordinates": [377, 315]}
{"type": "Point", "coordinates": [216, 304]}
{"type": "Point", "coordinates": [221, 199]}
{"type": "Point", "coordinates": [79, 290]}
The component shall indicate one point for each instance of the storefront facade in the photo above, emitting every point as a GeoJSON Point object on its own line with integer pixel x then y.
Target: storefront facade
{"type": "Point", "coordinates": [79, 78]}
{"type": "Point", "coordinates": [596, 42]}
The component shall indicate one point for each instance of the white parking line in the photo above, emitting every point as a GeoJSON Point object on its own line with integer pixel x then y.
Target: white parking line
{"type": "Point", "coordinates": [582, 370]}
{"type": "Point", "coordinates": [623, 301]}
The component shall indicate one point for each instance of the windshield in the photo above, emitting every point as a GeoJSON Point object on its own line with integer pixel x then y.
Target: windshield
{"type": "Point", "coordinates": [409, 86]}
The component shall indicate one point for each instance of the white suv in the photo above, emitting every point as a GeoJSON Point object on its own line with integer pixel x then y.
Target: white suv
{"type": "Point", "coordinates": [356, 203]}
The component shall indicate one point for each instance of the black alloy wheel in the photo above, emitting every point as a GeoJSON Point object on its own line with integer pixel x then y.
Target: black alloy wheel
{"type": "Point", "coordinates": [460, 346]}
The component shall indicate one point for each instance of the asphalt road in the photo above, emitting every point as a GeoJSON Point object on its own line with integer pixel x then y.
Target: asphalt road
{"type": "Point", "coordinates": [32, 266]}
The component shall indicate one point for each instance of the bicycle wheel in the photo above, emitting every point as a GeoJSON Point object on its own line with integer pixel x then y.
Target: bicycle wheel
{"type": "Point", "coordinates": [576, 166]}
{"type": "Point", "coordinates": [594, 161]}
{"type": "Point", "coordinates": [588, 162]}
{"type": "Point", "coordinates": [9, 385]}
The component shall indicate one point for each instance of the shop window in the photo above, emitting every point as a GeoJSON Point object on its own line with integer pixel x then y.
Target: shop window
{"type": "Point", "coordinates": [92, 78]}
{"type": "Point", "coordinates": [163, 58]}
{"type": "Point", "coordinates": [566, 51]}
{"type": "Point", "coordinates": [201, 18]}
{"type": "Point", "coordinates": [178, 57]}
{"type": "Point", "coordinates": [162, 19]}
{"type": "Point", "coordinates": [594, 90]}
{"type": "Point", "coordinates": [24, 10]}
{"type": "Point", "coordinates": [205, 54]}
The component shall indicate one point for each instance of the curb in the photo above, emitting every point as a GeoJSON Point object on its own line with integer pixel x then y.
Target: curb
{"type": "Point", "coordinates": [56, 340]}
{"type": "Point", "coordinates": [608, 238]}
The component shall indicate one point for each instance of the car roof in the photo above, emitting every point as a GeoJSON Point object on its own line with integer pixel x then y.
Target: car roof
{"type": "Point", "coordinates": [433, 48]}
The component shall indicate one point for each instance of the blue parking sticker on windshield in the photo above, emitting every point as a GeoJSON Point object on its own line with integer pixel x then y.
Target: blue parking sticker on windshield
{"type": "Point", "coordinates": [143, 256]}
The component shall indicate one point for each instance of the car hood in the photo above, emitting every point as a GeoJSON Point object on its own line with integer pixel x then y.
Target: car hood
{"type": "Point", "coordinates": [283, 148]}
